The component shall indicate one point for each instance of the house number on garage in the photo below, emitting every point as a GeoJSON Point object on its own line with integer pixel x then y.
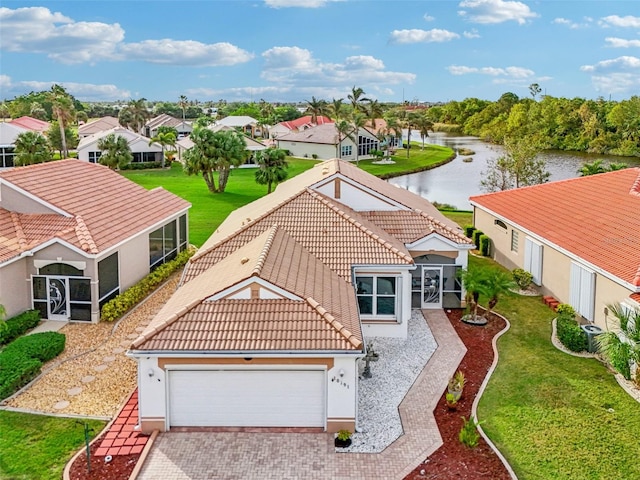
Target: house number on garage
{"type": "Point", "coordinates": [339, 381]}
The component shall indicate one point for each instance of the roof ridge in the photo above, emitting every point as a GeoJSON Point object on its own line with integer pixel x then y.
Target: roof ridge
{"type": "Point", "coordinates": [84, 236]}
{"type": "Point", "coordinates": [330, 319]}
{"type": "Point", "coordinates": [17, 225]}
{"type": "Point", "coordinates": [264, 253]}
{"type": "Point", "coordinates": [359, 225]}
{"type": "Point", "coordinates": [443, 225]}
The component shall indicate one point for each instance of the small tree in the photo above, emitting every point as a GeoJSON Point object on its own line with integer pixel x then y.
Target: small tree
{"type": "Point", "coordinates": [116, 152]}
{"type": "Point", "coordinates": [55, 139]}
{"type": "Point", "coordinates": [472, 281]}
{"type": "Point", "coordinates": [164, 139]}
{"type": "Point", "coordinates": [272, 167]}
{"type": "Point", "coordinates": [495, 284]}
{"type": "Point", "coordinates": [31, 147]}
{"type": "Point", "coordinates": [622, 348]}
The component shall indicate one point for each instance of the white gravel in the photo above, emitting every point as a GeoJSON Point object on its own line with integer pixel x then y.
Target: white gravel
{"type": "Point", "coordinates": [399, 364]}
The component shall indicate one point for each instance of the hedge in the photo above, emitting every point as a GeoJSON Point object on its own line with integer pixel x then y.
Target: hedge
{"type": "Point", "coordinates": [485, 244]}
{"type": "Point", "coordinates": [476, 238]}
{"type": "Point", "coordinates": [569, 332]}
{"type": "Point", "coordinates": [468, 230]}
{"type": "Point", "coordinates": [16, 326]}
{"type": "Point", "coordinates": [121, 304]}
{"type": "Point", "coordinates": [21, 360]}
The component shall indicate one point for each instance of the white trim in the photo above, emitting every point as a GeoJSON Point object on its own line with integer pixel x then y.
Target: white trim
{"type": "Point", "coordinates": [456, 246]}
{"type": "Point", "coordinates": [562, 250]}
{"type": "Point", "coordinates": [246, 283]}
{"type": "Point", "coordinates": [36, 199]}
{"type": "Point", "coordinates": [43, 263]}
{"type": "Point", "coordinates": [359, 186]}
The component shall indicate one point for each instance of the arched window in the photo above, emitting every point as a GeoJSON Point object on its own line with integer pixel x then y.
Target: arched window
{"type": "Point", "coordinates": [60, 269]}
{"type": "Point", "coordinates": [500, 224]}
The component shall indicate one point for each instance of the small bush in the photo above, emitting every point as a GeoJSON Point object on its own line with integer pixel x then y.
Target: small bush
{"type": "Point", "coordinates": [16, 326]}
{"type": "Point", "coordinates": [314, 156]}
{"type": "Point", "coordinates": [468, 230]}
{"type": "Point", "coordinates": [476, 237]}
{"type": "Point", "coordinates": [22, 359]}
{"type": "Point", "coordinates": [469, 435]}
{"type": "Point", "coordinates": [141, 165]}
{"type": "Point", "coordinates": [485, 244]}
{"type": "Point", "coordinates": [522, 278]}
{"type": "Point", "coordinates": [566, 310]}
{"type": "Point", "coordinates": [121, 304]}
{"type": "Point", "coordinates": [569, 332]}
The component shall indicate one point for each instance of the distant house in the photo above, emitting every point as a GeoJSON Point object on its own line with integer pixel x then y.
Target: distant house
{"type": "Point", "coordinates": [297, 125]}
{"type": "Point", "coordinates": [253, 145]}
{"type": "Point", "coordinates": [73, 235]}
{"type": "Point", "coordinates": [8, 134]}
{"type": "Point", "coordinates": [322, 142]}
{"type": "Point", "coordinates": [142, 152]}
{"type": "Point", "coordinates": [244, 123]}
{"type": "Point", "coordinates": [184, 128]}
{"type": "Point", "coordinates": [579, 238]}
{"type": "Point", "coordinates": [97, 126]}
{"type": "Point", "coordinates": [32, 124]}
{"type": "Point", "coordinates": [380, 129]}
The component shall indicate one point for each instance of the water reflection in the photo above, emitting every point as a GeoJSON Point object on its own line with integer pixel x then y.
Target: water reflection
{"type": "Point", "coordinates": [456, 181]}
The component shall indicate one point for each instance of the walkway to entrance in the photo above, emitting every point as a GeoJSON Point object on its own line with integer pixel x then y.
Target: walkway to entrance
{"type": "Point", "coordinates": [243, 455]}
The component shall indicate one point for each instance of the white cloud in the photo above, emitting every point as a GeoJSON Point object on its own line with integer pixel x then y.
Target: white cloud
{"type": "Point", "coordinates": [82, 91]}
{"type": "Point", "coordinates": [473, 33]}
{"type": "Point", "coordinates": [428, 18]}
{"type": "Point", "coordinates": [422, 36]}
{"type": "Point", "coordinates": [507, 72]}
{"type": "Point", "coordinates": [617, 21]}
{"type": "Point", "coordinates": [495, 11]}
{"type": "Point", "coordinates": [184, 52]}
{"type": "Point", "coordinates": [615, 64]}
{"type": "Point", "coordinates": [38, 30]}
{"type": "Point", "coordinates": [616, 75]}
{"type": "Point", "coordinates": [621, 42]}
{"type": "Point", "coordinates": [288, 66]}
{"type": "Point", "coordinates": [571, 24]}
{"type": "Point", "coordinates": [298, 3]}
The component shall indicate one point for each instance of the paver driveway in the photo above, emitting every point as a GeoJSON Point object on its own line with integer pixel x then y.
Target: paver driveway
{"type": "Point", "coordinates": [265, 456]}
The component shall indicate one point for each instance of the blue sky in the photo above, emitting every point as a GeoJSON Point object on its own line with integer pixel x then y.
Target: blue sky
{"type": "Point", "coordinates": [291, 50]}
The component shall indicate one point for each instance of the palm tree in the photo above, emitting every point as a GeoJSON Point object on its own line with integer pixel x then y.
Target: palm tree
{"type": "Point", "coordinates": [392, 130]}
{"type": "Point", "coordinates": [316, 108]}
{"type": "Point", "coordinates": [272, 167]}
{"type": "Point", "coordinates": [115, 151]}
{"type": "Point", "coordinates": [36, 111]}
{"type": "Point", "coordinates": [423, 124]}
{"type": "Point", "coordinates": [134, 115]}
{"type": "Point", "coordinates": [472, 281]}
{"type": "Point", "coordinates": [214, 152]}
{"type": "Point", "coordinates": [356, 98]}
{"type": "Point", "coordinates": [344, 130]}
{"type": "Point", "coordinates": [373, 110]}
{"type": "Point", "coordinates": [358, 121]}
{"type": "Point", "coordinates": [592, 168]}
{"type": "Point", "coordinates": [621, 348]}
{"type": "Point", "coordinates": [62, 107]}
{"type": "Point", "coordinates": [165, 139]}
{"type": "Point", "coordinates": [31, 147]}
{"type": "Point", "coordinates": [335, 109]}
{"type": "Point", "coordinates": [183, 103]}
{"type": "Point", "coordinates": [495, 284]}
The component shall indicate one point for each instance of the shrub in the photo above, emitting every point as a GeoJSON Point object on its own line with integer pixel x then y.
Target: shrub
{"type": "Point", "coordinates": [476, 237]}
{"type": "Point", "coordinates": [121, 304]}
{"type": "Point", "coordinates": [469, 435]}
{"type": "Point", "coordinates": [314, 156]}
{"type": "Point", "coordinates": [141, 166]}
{"type": "Point", "coordinates": [522, 278]}
{"type": "Point", "coordinates": [485, 244]}
{"type": "Point", "coordinates": [566, 310]}
{"type": "Point", "coordinates": [16, 326]}
{"type": "Point", "coordinates": [569, 332]}
{"type": "Point", "coordinates": [468, 230]}
{"type": "Point", "coordinates": [22, 359]}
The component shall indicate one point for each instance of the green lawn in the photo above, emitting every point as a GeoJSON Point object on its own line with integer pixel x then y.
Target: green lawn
{"type": "Point", "coordinates": [431, 156]}
{"type": "Point", "coordinates": [209, 209]}
{"type": "Point", "coordinates": [552, 415]}
{"type": "Point", "coordinates": [37, 446]}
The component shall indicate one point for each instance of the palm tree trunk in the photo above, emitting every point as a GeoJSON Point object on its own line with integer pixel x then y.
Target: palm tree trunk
{"type": "Point", "coordinates": [210, 180]}
{"type": "Point", "coordinates": [223, 176]}
{"type": "Point", "coordinates": [63, 138]}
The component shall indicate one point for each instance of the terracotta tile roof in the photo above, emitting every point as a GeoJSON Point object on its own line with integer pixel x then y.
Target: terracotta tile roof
{"type": "Point", "coordinates": [635, 297]}
{"type": "Point", "coordinates": [324, 134]}
{"type": "Point", "coordinates": [596, 218]}
{"type": "Point", "coordinates": [99, 125]}
{"type": "Point", "coordinates": [31, 123]}
{"type": "Point", "coordinates": [102, 207]}
{"type": "Point", "coordinates": [337, 235]}
{"type": "Point", "coordinates": [305, 121]}
{"type": "Point", "coordinates": [318, 312]}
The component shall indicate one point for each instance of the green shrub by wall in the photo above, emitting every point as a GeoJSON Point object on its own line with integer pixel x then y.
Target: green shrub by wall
{"type": "Point", "coordinates": [21, 360]}
{"type": "Point", "coordinates": [569, 332]}
{"type": "Point", "coordinates": [16, 326]}
{"type": "Point", "coordinates": [468, 230]}
{"type": "Point", "coordinates": [476, 237]}
{"type": "Point", "coordinates": [485, 245]}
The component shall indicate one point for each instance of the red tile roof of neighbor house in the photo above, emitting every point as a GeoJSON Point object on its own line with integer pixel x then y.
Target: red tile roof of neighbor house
{"type": "Point", "coordinates": [306, 120]}
{"type": "Point", "coordinates": [102, 207]}
{"type": "Point", "coordinates": [317, 312]}
{"type": "Point", "coordinates": [31, 123]}
{"type": "Point", "coordinates": [596, 218]}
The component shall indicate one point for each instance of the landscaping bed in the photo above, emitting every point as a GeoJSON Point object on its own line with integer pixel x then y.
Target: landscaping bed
{"type": "Point", "coordinates": [453, 459]}
{"type": "Point", "coordinates": [119, 468]}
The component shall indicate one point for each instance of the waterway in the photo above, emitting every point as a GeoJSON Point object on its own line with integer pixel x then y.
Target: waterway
{"type": "Point", "coordinates": [456, 181]}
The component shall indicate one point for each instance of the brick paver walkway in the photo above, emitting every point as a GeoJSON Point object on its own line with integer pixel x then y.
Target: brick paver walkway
{"type": "Point", "coordinates": [265, 456]}
{"type": "Point", "coordinates": [122, 438]}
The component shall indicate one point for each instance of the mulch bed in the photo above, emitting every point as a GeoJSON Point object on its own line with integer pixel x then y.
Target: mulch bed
{"type": "Point", "coordinates": [119, 468]}
{"type": "Point", "coordinates": [454, 460]}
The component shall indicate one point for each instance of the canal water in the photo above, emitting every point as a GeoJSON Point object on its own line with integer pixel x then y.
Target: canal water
{"type": "Point", "coordinates": [456, 181]}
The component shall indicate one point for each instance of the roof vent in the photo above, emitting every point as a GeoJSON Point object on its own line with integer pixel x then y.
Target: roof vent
{"type": "Point", "coordinates": [244, 260]}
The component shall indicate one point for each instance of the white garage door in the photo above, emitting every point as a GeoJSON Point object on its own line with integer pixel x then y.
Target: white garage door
{"type": "Point", "coordinates": [246, 398]}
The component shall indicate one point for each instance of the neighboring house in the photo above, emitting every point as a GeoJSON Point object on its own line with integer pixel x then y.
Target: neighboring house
{"type": "Point", "coordinates": [273, 312]}
{"type": "Point", "coordinates": [244, 123]}
{"type": "Point", "coordinates": [297, 125]}
{"type": "Point", "coordinates": [32, 124]}
{"type": "Point", "coordinates": [579, 238]}
{"type": "Point", "coordinates": [253, 145]}
{"type": "Point", "coordinates": [8, 134]}
{"type": "Point", "coordinates": [139, 144]}
{"type": "Point", "coordinates": [97, 126]}
{"type": "Point", "coordinates": [184, 128]}
{"type": "Point", "coordinates": [380, 131]}
{"type": "Point", "coordinates": [73, 235]}
{"type": "Point", "coordinates": [322, 141]}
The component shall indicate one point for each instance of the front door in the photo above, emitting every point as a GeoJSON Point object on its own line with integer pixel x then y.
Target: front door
{"type": "Point", "coordinates": [51, 297]}
{"type": "Point", "coordinates": [431, 287]}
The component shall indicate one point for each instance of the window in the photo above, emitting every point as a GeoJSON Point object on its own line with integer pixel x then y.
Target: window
{"type": "Point", "coordinates": [376, 295]}
{"type": "Point", "coordinates": [346, 151]}
{"type": "Point", "coordinates": [145, 157]}
{"type": "Point", "coordinates": [500, 223]}
{"type": "Point", "coordinates": [108, 279]}
{"type": "Point", "coordinates": [7, 155]}
{"type": "Point", "coordinates": [182, 223]}
{"type": "Point", "coordinates": [164, 244]}
{"type": "Point", "coordinates": [60, 269]}
{"type": "Point", "coordinates": [366, 145]}
{"type": "Point", "coordinates": [94, 157]}
{"type": "Point", "coordinates": [582, 290]}
{"type": "Point", "coordinates": [514, 240]}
